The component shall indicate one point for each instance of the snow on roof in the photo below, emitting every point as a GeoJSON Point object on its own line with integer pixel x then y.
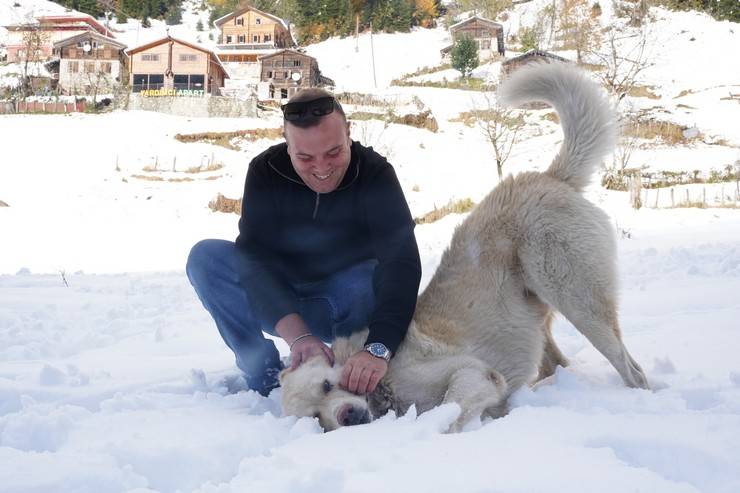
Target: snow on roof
{"type": "Point", "coordinates": [476, 16]}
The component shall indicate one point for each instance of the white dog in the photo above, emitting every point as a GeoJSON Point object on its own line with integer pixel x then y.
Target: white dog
{"type": "Point", "coordinates": [533, 246]}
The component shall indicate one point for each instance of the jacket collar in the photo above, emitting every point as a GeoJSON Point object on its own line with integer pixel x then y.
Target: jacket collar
{"type": "Point", "coordinates": [279, 161]}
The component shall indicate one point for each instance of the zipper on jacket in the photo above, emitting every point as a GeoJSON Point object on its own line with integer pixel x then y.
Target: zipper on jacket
{"type": "Point", "coordinates": [316, 207]}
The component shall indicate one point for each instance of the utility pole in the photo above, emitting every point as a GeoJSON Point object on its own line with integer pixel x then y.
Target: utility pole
{"type": "Point", "coordinates": [357, 33]}
{"type": "Point", "coordinates": [372, 55]}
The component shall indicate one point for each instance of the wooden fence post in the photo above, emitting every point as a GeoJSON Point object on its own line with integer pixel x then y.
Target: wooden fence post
{"type": "Point", "coordinates": [635, 190]}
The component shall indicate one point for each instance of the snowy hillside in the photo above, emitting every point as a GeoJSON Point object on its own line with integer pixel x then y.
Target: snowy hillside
{"type": "Point", "coordinates": [113, 377]}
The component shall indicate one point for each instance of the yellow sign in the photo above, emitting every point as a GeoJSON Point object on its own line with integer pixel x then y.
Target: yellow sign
{"type": "Point", "coordinates": [153, 93]}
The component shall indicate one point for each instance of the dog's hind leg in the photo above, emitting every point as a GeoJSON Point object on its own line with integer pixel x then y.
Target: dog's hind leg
{"type": "Point", "coordinates": [476, 389]}
{"type": "Point", "coordinates": [575, 274]}
{"type": "Point", "coordinates": [551, 355]}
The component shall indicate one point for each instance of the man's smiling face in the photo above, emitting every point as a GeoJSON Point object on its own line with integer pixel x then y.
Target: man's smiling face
{"type": "Point", "coordinates": [321, 153]}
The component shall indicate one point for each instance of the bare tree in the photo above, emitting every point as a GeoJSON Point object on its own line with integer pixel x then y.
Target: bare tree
{"type": "Point", "coordinates": [501, 127]}
{"type": "Point", "coordinates": [34, 39]}
{"type": "Point", "coordinates": [622, 62]}
{"type": "Point", "coordinates": [579, 30]}
{"type": "Point", "coordinates": [617, 176]}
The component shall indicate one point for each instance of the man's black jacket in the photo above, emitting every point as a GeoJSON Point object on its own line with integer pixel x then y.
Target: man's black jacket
{"type": "Point", "coordinates": [291, 234]}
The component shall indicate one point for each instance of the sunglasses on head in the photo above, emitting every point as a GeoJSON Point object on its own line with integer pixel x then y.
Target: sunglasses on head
{"type": "Point", "coordinates": [308, 109]}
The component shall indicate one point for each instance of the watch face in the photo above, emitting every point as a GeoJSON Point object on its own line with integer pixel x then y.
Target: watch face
{"type": "Point", "coordinates": [377, 349]}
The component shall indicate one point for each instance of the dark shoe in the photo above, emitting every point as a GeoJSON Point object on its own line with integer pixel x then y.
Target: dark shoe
{"type": "Point", "coordinates": [267, 382]}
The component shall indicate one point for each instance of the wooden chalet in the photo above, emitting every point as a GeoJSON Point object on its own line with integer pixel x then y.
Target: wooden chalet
{"type": "Point", "coordinates": [172, 67]}
{"type": "Point", "coordinates": [248, 33]}
{"type": "Point", "coordinates": [90, 62]}
{"type": "Point", "coordinates": [511, 64]}
{"type": "Point", "coordinates": [41, 35]}
{"type": "Point", "coordinates": [288, 71]}
{"type": "Point", "coordinates": [489, 35]}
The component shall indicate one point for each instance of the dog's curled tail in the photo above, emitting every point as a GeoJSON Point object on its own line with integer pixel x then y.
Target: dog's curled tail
{"type": "Point", "coordinates": [585, 114]}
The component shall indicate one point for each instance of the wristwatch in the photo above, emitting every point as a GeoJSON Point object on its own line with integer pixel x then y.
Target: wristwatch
{"type": "Point", "coordinates": [378, 350]}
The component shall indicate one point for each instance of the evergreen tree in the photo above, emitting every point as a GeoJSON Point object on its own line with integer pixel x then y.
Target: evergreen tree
{"type": "Point", "coordinates": [726, 10]}
{"type": "Point", "coordinates": [464, 55]}
{"type": "Point", "coordinates": [147, 13]}
{"type": "Point", "coordinates": [174, 16]}
{"type": "Point", "coordinates": [199, 25]}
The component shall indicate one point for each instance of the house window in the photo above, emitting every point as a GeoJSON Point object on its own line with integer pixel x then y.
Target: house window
{"type": "Point", "coordinates": [147, 81]}
{"type": "Point", "coordinates": [228, 39]}
{"type": "Point", "coordinates": [189, 81]}
{"type": "Point", "coordinates": [255, 38]}
{"type": "Point", "coordinates": [296, 63]}
{"type": "Point", "coordinates": [150, 57]}
{"type": "Point", "coordinates": [74, 67]}
{"type": "Point", "coordinates": [267, 38]}
{"type": "Point", "coordinates": [242, 38]}
{"type": "Point", "coordinates": [90, 67]}
{"type": "Point", "coordinates": [257, 20]}
{"type": "Point", "coordinates": [105, 67]}
{"type": "Point", "coordinates": [188, 58]}
{"type": "Point", "coordinates": [240, 21]}
{"type": "Point", "coordinates": [269, 74]}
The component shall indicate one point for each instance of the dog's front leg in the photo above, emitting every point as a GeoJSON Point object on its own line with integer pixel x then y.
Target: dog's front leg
{"type": "Point", "coordinates": [475, 389]}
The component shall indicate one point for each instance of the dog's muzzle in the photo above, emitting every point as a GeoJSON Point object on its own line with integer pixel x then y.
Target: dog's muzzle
{"type": "Point", "coordinates": [350, 415]}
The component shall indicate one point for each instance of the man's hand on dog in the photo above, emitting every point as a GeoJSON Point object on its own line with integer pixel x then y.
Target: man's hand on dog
{"type": "Point", "coordinates": [294, 330]}
{"type": "Point", "coordinates": [362, 372]}
{"type": "Point", "coordinates": [306, 348]}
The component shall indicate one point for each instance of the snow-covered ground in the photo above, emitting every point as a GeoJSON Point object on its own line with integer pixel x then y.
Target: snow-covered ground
{"type": "Point", "coordinates": [117, 381]}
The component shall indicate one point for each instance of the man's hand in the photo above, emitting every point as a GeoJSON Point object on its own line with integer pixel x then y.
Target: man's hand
{"type": "Point", "coordinates": [362, 372]}
{"type": "Point", "coordinates": [308, 347]}
{"type": "Point", "coordinates": [294, 331]}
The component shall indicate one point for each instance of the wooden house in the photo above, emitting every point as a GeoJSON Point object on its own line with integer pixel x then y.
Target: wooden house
{"type": "Point", "coordinates": [35, 41]}
{"type": "Point", "coordinates": [511, 64]}
{"type": "Point", "coordinates": [531, 56]}
{"type": "Point", "coordinates": [248, 33]}
{"type": "Point", "coordinates": [489, 35]}
{"type": "Point", "coordinates": [288, 71]}
{"type": "Point", "coordinates": [172, 67]}
{"type": "Point", "coordinates": [90, 63]}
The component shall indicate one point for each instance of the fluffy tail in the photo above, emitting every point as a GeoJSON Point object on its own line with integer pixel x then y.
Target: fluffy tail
{"type": "Point", "coordinates": [585, 114]}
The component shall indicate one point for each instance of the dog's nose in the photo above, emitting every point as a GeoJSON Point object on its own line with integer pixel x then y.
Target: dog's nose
{"type": "Point", "coordinates": [355, 416]}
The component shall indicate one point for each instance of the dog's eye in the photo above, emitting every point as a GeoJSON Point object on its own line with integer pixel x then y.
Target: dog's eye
{"type": "Point", "coordinates": [327, 386]}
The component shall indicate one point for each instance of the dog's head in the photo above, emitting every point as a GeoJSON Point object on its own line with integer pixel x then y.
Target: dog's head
{"type": "Point", "coordinates": [312, 389]}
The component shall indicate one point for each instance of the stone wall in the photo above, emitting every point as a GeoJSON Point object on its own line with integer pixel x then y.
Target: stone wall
{"type": "Point", "coordinates": [203, 107]}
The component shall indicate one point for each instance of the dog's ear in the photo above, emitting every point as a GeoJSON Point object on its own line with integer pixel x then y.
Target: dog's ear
{"type": "Point", "coordinates": [344, 347]}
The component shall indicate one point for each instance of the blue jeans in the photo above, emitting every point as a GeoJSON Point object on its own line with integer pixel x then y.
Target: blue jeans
{"type": "Point", "coordinates": [336, 306]}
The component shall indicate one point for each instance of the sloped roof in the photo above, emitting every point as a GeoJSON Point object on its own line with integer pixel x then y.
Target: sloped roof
{"type": "Point", "coordinates": [222, 20]}
{"type": "Point", "coordinates": [477, 17]}
{"type": "Point", "coordinates": [90, 34]}
{"type": "Point", "coordinates": [532, 53]}
{"type": "Point", "coordinates": [144, 47]}
{"type": "Point", "coordinates": [277, 53]}
{"type": "Point", "coordinates": [64, 20]}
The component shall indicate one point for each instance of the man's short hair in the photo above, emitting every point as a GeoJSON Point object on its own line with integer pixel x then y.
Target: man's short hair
{"type": "Point", "coordinates": [312, 94]}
